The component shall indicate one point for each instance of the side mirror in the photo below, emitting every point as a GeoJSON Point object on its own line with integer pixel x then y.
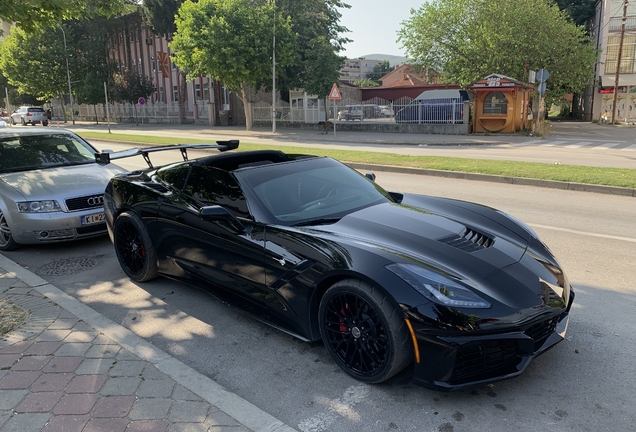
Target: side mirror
{"type": "Point", "coordinates": [370, 176]}
{"type": "Point", "coordinates": [397, 197]}
{"type": "Point", "coordinates": [217, 213]}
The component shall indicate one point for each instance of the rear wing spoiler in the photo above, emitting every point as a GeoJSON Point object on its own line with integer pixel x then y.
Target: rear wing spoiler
{"type": "Point", "coordinates": [104, 158]}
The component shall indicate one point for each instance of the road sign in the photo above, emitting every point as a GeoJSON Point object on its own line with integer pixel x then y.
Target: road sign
{"type": "Point", "coordinates": [335, 92]}
{"type": "Point", "coordinates": [542, 75]}
{"type": "Point", "coordinates": [541, 88]}
{"type": "Point", "coordinates": [141, 101]}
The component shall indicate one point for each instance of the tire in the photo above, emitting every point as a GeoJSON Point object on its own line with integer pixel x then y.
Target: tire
{"type": "Point", "coordinates": [364, 331]}
{"type": "Point", "coordinates": [6, 239]}
{"type": "Point", "coordinates": [133, 246]}
{"type": "Point", "coordinates": [45, 123]}
{"type": "Point", "coordinates": [22, 121]}
{"type": "Point", "coordinates": [12, 121]}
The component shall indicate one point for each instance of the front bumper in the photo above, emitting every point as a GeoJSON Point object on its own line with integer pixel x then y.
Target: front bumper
{"type": "Point", "coordinates": [35, 228]}
{"type": "Point", "coordinates": [452, 362]}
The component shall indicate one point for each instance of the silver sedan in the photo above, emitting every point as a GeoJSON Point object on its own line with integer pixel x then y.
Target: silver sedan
{"type": "Point", "coordinates": [51, 188]}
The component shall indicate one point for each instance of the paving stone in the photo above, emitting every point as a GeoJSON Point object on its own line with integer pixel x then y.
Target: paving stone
{"type": "Point", "coordinates": [82, 326]}
{"type": "Point", "coordinates": [152, 373]}
{"type": "Point", "coordinates": [9, 399]}
{"type": "Point", "coordinates": [103, 340]}
{"type": "Point", "coordinates": [43, 348]}
{"type": "Point", "coordinates": [188, 411]}
{"type": "Point", "coordinates": [51, 382]}
{"type": "Point", "coordinates": [31, 422]}
{"type": "Point", "coordinates": [188, 427]}
{"type": "Point", "coordinates": [102, 351]}
{"type": "Point", "coordinates": [114, 406]}
{"type": "Point", "coordinates": [39, 402]}
{"type": "Point", "coordinates": [53, 335]}
{"type": "Point", "coordinates": [64, 314]}
{"type": "Point", "coordinates": [63, 324]}
{"type": "Point", "coordinates": [18, 380]}
{"type": "Point", "coordinates": [182, 393]}
{"type": "Point", "coordinates": [77, 404]}
{"type": "Point", "coordinates": [63, 364]}
{"type": "Point", "coordinates": [228, 429]}
{"type": "Point", "coordinates": [81, 336]}
{"type": "Point", "coordinates": [7, 360]}
{"type": "Point", "coordinates": [217, 418]}
{"type": "Point", "coordinates": [119, 386]}
{"type": "Point", "coordinates": [31, 363]}
{"type": "Point", "coordinates": [17, 348]}
{"type": "Point", "coordinates": [106, 425]}
{"type": "Point", "coordinates": [124, 354]}
{"type": "Point", "coordinates": [4, 416]}
{"type": "Point", "coordinates": [86, 383]}
{"type": "Point", "coordinates": [150, 409]}
{"type": "Point", "coordinates": [148, 426]}
{"type": "Point", "coordinates": [96, 366]}
{"type": "Point", "coordinates": [155, 388]}
{"type": "Point", "coordinates": [129, 368]}
{"type": "Point", "coordinates": [73, 349]}
{"type": "Point", "coordinates": [67, 423]}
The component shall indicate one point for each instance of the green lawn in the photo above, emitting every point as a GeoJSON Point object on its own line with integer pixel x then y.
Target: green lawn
{"type": "Point", "coordinates": [622, 177]}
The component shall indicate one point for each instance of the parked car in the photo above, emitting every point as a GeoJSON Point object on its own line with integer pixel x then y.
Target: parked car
{"type": "Point", "coordinates": [386, 111]}
{"type": "Point", "coordinates": [2, 123]}
{"type": "Point", "coordinates": [51, 188]}
{"type": "Point", "coordinates": [466, 293]}
{"type": "Point", "coordinates": [351, 112]}
{"type": "Point", "coordinates": [435, 106]}
{"type": "Point", "coordinates": [29, 115]}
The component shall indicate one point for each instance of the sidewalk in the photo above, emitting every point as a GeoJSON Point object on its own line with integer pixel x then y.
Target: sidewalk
{"type": "Point", "coordinates": [70, 369]}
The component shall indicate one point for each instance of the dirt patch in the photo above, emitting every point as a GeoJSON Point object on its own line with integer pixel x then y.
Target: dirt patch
{"type": "Point", "coordinates": [11, 316]}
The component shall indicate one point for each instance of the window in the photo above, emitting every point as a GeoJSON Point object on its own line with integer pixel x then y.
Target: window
{"type": "Point", "coordinates": [496, 103]}
{"type": "Point", "coordinates": [141, 69]}
{"type": "Point", "coordinates": [206, 91]}
{"type": "Point", "coordinates": [225, 98]}
{"type": "Point", "coordinates": [161, 96]}
{"type": "Point", "coordinates": [214, 186]}
{"type": "Point", "coordinates": [175, 93]}
{"type": "Point", "coordinates": [152, 63]}
{"type": "Point", "coordinates": [197, 91]}
{"type": "Point", "coordinates": [628, 56]}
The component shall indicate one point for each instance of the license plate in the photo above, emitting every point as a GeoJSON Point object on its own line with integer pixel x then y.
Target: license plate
{"type": "Point", "coordinates": [94, 218]}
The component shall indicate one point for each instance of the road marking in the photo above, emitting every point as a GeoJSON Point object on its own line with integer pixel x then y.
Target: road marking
{"type": "Point", "coordinates": [605, 146]}
{"type": "Point", "coordinates": [552, 143]}
{"type": "Point", "coordinates": [589, 234]}
{"type": "Point", "coordinates": [341, 407]}
{"type": "Point", "coordinates": [630, 148]}
{"type": "Point", "coordinates": [578, 144]}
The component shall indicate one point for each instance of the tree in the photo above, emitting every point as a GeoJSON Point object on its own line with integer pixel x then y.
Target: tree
{"type": "Point", "coordinates": [32, 14]}
{"type": "Point", "coordinates": [41, 69]}
{"type": "Point", "coordinates": [318, 42]}
{"type": "Point", "coordinates": [466, 40]}
{"type": "Point", "coordinates": [130, 86]}
{"type": "Point", "coordinates": [230, 40]}
{"type": "Point", "coordinates": [366, 83]}
{"type": "Point", "coordinates": [379, 70]}
{"type": "Point", "coordinates": [159, 15]}
{"type": "Point", "coordinates": [581, 11]}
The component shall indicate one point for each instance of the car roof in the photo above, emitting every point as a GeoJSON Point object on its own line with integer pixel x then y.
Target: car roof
{"type": "Point", "coordinates": [35, 131]}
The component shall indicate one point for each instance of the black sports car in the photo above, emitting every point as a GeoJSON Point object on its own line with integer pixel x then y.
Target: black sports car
{"type": "Point", "coordinates": [312, 247]}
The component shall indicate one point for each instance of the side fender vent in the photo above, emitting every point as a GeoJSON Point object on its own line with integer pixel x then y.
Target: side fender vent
{"type": "Point", "coordinates": [469, 241]}
{"type": "Point", "coordinates": [156, 186]}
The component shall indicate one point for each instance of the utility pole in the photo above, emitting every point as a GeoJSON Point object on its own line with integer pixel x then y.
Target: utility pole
{"type": "Point", "coordinates": [618, 61]}
{"type": "Point", "coordinates": [274, 73]}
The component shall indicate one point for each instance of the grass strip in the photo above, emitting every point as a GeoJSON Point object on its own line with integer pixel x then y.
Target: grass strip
{"type": "Point", "coordinates": [621, 177]}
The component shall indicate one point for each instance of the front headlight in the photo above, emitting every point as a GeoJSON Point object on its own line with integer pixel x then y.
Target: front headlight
{"type": "Point", "coordinates": [38, 206]}
{"type": "Point", "coordinates": [438, 288]}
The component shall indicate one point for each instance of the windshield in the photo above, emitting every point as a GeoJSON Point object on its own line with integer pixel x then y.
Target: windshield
{"type": "Point", "coordinates": [30, 152]}
{"type": "Point", "coordinates": [310, 190]}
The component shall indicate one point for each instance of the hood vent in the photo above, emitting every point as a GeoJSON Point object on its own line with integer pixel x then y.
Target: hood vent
{"type": "Point", "coordinates": [156, 186]}
{"type": "Point", "coordinates": [469, 241]}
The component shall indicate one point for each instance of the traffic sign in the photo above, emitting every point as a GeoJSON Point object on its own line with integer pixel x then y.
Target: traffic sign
{"type": "Point", "coordinates": [335, 92]}
{"type": "Point", "coordinates": [141, 101]}
{"type": "Point", "coordinates": [541, 88]}
{"type": "Point", "coordinates": [542, 75]}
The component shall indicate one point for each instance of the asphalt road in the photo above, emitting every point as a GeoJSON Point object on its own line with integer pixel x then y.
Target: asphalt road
{"type": "Point", "coordinates": [586, 383]}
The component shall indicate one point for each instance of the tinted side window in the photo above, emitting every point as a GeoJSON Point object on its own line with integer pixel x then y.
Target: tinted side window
{"type": "Point", "coordinates": [213, 186]}
{"type": "Point", "coordinates": [174, 175]}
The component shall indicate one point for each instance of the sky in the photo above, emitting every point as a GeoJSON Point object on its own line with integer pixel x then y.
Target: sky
{"type": "Point", "coordinates": [373, 25]}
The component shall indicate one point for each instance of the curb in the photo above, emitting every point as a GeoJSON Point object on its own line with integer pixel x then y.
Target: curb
{"type": "Point", "coordinates": [232, 404]}
{"type": "Point", "coordinates": [554, 184]}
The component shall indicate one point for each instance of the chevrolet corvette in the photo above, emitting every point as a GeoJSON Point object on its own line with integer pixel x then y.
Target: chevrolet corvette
{"type": "Point", "coordinates": [466, 293]}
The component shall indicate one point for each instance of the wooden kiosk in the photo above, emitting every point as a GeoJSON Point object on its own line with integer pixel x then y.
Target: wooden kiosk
{"type": "Point", "coordinates": [501, 104]}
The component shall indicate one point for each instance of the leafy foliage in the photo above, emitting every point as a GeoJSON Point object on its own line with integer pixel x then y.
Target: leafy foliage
{"type": "Point", "coordinates": [379, 70]}
{"type": "Point", "coordinates": [366, 83]}
{"type": "Point", "coordinates": [159, 15]}
{"type": "Point", "coordinates": [130, 86]}
{"type": "Point", "coordinates": [581, 11]}
{"type": "Point", "coordinates": [467, 40]}
{"type": "Point", "coordinates": [33, 14]}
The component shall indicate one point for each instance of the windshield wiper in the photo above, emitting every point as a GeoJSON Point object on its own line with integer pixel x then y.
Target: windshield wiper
{"type": "Point", "coordinates": [318, 221]}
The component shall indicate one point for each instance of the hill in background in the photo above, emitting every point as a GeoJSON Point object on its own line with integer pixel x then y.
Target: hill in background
{"type": "Point", "coordinates": [393, 59]}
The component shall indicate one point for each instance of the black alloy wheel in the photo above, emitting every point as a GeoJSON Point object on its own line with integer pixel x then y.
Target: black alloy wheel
{"type": "Point", "coordinates": [364, 331]}
{"type": "Point", "coordinates": [134, 248]}
{"type": "Point", "coordinates": [6, 239]}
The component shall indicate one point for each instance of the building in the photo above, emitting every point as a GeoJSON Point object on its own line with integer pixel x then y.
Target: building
{"type": "Point", "coordinates": [607, 28]}
{"type": "Point", "coordinates": [405, 75]}
{"type": "Point", "coordinates": [357, 69]}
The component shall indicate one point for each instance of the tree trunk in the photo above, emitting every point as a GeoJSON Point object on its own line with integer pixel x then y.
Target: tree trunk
{"type": "Point", "coordinates": [63, 108]}
{"type": "Point", "coordinates": [248, 105]}
{"type": "Point", "coordinates": [95, 109]}
{"type": "Point", "coordinates": [183, 100]}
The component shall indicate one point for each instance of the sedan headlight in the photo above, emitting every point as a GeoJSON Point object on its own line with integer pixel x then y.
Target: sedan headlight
{"type": "Point", "coordinates": [438, 288]}
{"type": "Point", "coordinates": [38, 206]}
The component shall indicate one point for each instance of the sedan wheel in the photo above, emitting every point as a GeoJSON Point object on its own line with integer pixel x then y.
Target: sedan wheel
{"type": "Point", "coordinates": [12, 121]}
{"type": "Point", "coordinates": [364, 331]}
{"type": "Point", "coordinates": [6, 239]}
{"type": "Point", "coordinates": [22, 121]}
{"type": "Point", "coordinates": [134, 248]}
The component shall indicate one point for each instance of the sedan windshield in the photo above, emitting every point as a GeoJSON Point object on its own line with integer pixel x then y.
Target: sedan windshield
{"type": "Point", "coordinates": [30, 152]}
{"type": "Point", "coordinates": [316, 190]}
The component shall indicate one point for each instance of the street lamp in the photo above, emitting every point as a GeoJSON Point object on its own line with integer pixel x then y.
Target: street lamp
{"type": "Point", "coordinates": [68, 75]}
